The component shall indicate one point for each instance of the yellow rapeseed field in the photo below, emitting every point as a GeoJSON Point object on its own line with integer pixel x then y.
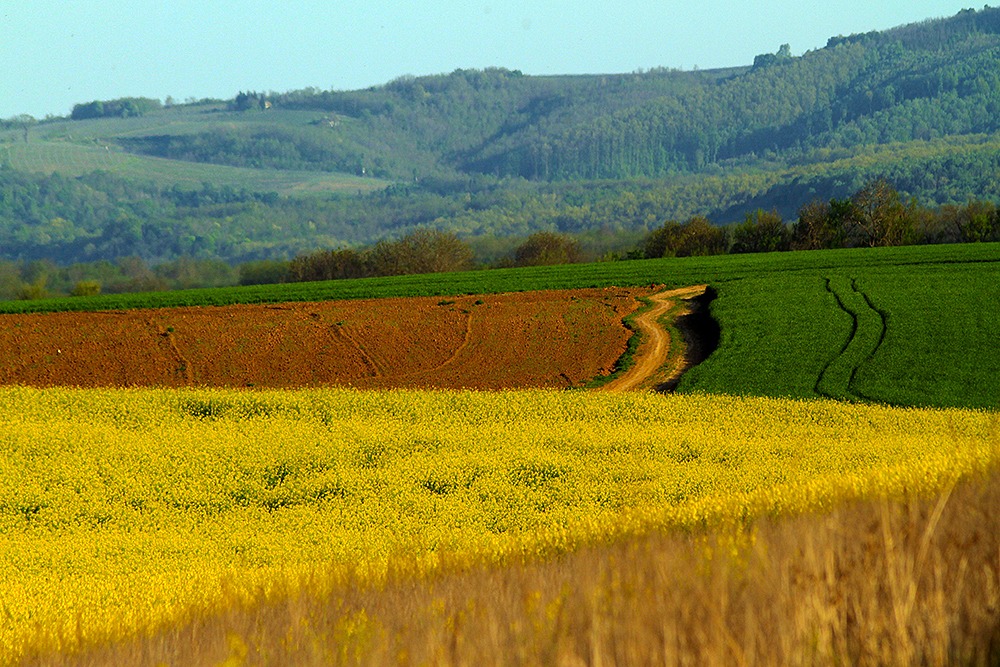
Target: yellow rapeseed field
{"type": "Point", "coordinates": [126, 509]}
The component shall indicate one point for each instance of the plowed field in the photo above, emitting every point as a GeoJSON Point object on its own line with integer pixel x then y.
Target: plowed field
{"type": "Point", "coordinates": [533, 339]}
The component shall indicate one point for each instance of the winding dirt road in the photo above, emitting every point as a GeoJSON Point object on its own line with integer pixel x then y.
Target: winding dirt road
{"type": "Point", "coordinates": [651, 359]}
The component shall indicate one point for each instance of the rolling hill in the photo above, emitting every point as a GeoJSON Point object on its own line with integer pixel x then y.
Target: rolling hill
{"type": "Point", "coordinates": [497, 153]}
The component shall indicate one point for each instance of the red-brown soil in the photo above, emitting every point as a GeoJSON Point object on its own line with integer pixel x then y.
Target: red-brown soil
{"type": "Point", "coordinates": [533, 339]}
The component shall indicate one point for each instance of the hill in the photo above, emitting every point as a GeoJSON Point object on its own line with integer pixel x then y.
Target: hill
{"type": "Point", "coordinates": [497, 153]}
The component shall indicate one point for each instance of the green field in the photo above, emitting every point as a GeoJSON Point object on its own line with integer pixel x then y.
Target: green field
{"type": "Point", "coordinates": [910, 334]}
{"type": "Point", "coordinates": [905, 326]}
{"type": "Point", "coordinates": [73, 159]}
{"type": "Point", "coordinates": [75, 148]}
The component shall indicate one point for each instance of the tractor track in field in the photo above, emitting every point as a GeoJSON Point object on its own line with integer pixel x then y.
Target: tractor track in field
{"type": "Point", "coordinates": [838, 378]}
{"type": "Point", "coordinates": [374, 367]}
{"type": "Point", "coordinates": [659, 361]}
{"type": "Point", "coordinates": [183, 364]}
{"type": "Point", "coordinates": [466, 343]}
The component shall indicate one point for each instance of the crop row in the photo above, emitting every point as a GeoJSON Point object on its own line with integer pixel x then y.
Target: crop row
{"type": "Point", "coordinates": [122, 509]}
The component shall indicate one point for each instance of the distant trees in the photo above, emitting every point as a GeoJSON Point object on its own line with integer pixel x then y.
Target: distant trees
{"type": "Point", "coordinates": [39, 279]}
{"type": "Point", "coordinates": [265, 272]}
{"type": "Point", "coordinates": [190, 272]}
{"type": "Point", "coordinates": [86, 288]}
{"type": "Point", "coordinates": [695, 237]}
{"type": "Point", "coordinates": [975, 222]}
{"type": "Point", "coordinates": [761, 231]}
{"type": "Point", "coordinates": [246, 101]}
{"type": "Point", "coordinates": [874, 216]}
{"type": "Point", "coordinates": [259, 147]}
{"type": "Point", "coordinates": [819, 226]}
{"type": "Point", "coordinates": [879, 216]}
{"type": "Point", "coordinates": [768, 59]}
{"type": "Point", "coordinates": [329, 265]}
{"type": "Point", "coordinates": [543, 248]}
{"type": "Point", "coordinates": [23, 121]}
{"type": "Point", "coordinates": [421, 251]}
{"type": "Point", "coordinates": [124, 107]}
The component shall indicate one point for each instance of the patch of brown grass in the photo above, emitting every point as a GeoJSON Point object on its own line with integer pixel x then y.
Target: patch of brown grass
{"type": "Point", "coordinates": [872, 583]}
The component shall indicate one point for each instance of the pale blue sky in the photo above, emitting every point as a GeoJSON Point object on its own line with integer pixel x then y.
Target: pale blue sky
{"type": "Point", "coordinates": [55, 53]}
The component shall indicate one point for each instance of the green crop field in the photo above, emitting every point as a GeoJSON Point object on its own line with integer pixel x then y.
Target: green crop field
{"type": "Point", "coordinates": [908, 327]}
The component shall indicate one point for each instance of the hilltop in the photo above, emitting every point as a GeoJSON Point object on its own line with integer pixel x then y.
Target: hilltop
{"type": "Point", "coordinates": [495, 153]}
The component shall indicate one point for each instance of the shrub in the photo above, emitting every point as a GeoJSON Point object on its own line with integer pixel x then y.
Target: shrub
{"type": "Point", "coordinates": [86, 288]}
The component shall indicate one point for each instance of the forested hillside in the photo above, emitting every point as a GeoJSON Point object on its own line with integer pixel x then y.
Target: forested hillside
{"type": "Point", "coordinates": [916, 83]}
{"type": "Point", "coordinates": [495, 153]}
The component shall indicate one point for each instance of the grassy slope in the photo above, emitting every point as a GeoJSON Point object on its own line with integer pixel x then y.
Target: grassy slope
{"type": "Point", "coordinates": [908, 326]}
{"type": "Point", "coordinates": [74, 159]}
{"type": "Point", "coordinates": [75, 148]}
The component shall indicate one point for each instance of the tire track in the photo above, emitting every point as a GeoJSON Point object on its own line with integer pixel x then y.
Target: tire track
{"type": "Point", "coordinates": [821, 380]}
{"type": "Point", "coordinates": [374, 367]}
{"type": "Point", "coordinates": [838, 378]}
{"type": "Point", "coordinates": [465, 344]}
{"type": "Point", "coordinates": [183, 363]}
{"type": "Point", "coordinates": [883, 330]}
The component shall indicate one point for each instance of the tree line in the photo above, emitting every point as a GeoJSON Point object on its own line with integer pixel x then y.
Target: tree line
{"type": "Point", "coordinates": [40, 279]}
{"type": "Point", "coordinates": [427, 251]}
{"type": "Point", "coordinates": [875, 215]}
{"type": "Point", "coordinates": [125, 107]}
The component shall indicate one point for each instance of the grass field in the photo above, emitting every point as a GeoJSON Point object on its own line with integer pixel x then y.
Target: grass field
{"type": "Point", "coordinates": [904, 334]}
{"type": "Point", "coordinates": [75, 159]}
{"type": "Point", "coordinates": [123, 510]}
{"type": "Point", "coordinates": [74, 148]}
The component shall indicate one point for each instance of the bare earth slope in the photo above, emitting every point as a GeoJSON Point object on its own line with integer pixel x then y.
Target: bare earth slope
{"type": "Point", "coordinates": [533, 339]}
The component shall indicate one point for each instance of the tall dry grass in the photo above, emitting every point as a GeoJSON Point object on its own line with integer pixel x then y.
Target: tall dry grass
{"type": "Point", "coordinates": [871, 583]}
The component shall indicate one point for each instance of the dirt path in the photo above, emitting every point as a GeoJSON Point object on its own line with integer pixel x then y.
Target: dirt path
{"type": "Point", "coordinates": [654, 351]}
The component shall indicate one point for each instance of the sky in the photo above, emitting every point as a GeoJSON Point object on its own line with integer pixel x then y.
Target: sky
{"type": "Point", "coordinates": [57, 53]}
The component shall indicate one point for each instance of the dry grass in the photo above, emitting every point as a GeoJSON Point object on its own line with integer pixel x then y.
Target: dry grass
{"type": "Point", "coordinates": [870, 583]}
